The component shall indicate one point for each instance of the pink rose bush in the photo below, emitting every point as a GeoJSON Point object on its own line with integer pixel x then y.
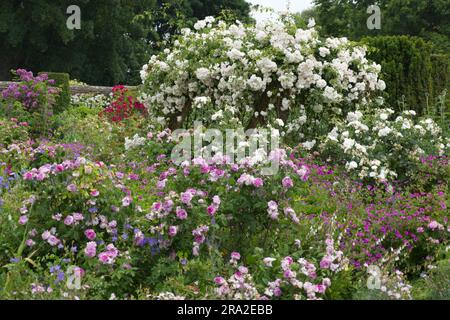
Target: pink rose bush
{"type": "Point", "coordinates": [288, 236]}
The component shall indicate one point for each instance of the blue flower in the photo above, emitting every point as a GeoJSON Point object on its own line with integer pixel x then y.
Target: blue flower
{"type": "Point", "coordinates": [59, 277]}
{"type": "Point", "coordinates": [152, 241]}
{"type": "Point", "coordinates": [154, 251]}
{"type": "Point", "coordinates": [93, 210]}
{"type": "Point", "coordinates": [55, 268]}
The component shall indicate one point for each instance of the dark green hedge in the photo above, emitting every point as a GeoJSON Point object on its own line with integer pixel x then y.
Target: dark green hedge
{"type": "Point", "coordinates": [414, 75]}
{"type": "Point", "coordinates": [62, 81]}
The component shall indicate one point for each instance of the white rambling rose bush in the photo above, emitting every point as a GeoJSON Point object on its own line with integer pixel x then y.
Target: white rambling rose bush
{"type": "Point", "coordinates": [381, 146]}
{"type": "Point", "coordinates": [255, 75]}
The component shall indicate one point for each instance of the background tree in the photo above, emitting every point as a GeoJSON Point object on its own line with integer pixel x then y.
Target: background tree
{"type": "Point", "coordinates": [113, 42]}
{"type": "Point", "coordinates": [416, 71]}
{"type": "Point", "coordinates": [429, 19]}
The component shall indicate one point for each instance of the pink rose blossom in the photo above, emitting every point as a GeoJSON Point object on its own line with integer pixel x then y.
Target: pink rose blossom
{"type": "Point", "coordinates": [53, 241]}
{"type": "Point", "coordinates": [287, 182]}
{"type": "Point", "coordinates": [235, 255]}
{"type": "Point", "coordinates": [211, 210]}
{"type": "Point", "coordinates": [90, 234]}
{"type": "Point", "coordinates": [68, 220]}
{"type": "Point", "coordinates": [173, 231]}
{"type": "Point", "coordinates": [181, 213]}
{"type": "Point", "coordinates": [46, 234]}
{"type": "Point", "coordinates": [23, 219]}
{"type": "Point", "coordinates": [91, 249]}
{"type": "Point", "coordinates": [258, 182]}
{"type": "Point", "coordinates": [219, 280]}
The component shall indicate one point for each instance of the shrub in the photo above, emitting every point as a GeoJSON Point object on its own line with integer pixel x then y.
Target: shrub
{"type": "Point", "coordinates": [306, 232]}
{"type": "Point", "coordinates": [123, 106]}
{"type": "Point", "coordinates": [61, 81]}
{"type": "Point", "coordinates": [274, 73]}
{"type": "Point", "coordinates": [12, 131]}
{"type": "Point", "coordinates": [378, 146]}
{"type": "Point", "coordinates": [414, 75]}
{"type": "Point", "coordinates": [90, 100]}
{"type": "Point", "coordinates": [35, 95]}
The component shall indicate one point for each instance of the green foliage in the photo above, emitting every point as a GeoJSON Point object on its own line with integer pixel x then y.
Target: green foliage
{"type": "Point", "coordinates": [29, 100]}
{"type": "Point", "coordinates": [436, 284]}
{"type": "Point", "coordinates": [11, 131]}
{"type": "Point", "coordinates": [62, 81]}
{"type": "Point", "coordinates": [89, 131]}
{"type": "Point", "coordinates": [112, 44]}
{"type": "Point", "coordinates": [423, 18]}
{"type": "Point", "coordinates": [414, 75]}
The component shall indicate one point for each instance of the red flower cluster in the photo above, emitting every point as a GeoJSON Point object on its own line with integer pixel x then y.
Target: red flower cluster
{"type": "Point", "coordinates": [124, 106]}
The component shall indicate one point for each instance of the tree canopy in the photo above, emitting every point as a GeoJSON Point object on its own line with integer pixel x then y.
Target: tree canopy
{"type": "Point", "coordinates": [429, 19]}
{"type": "Point", "coordinates": [115, 40]}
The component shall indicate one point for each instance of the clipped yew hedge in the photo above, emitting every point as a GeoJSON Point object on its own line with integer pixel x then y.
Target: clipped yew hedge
{"type": "Point", "coordinates": [415, 76]}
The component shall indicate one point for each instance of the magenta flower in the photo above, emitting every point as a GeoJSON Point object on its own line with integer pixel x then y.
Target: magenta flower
{"type": "Point", "coordinates": [320, 288]}
{"type": "Point", "coordinates": [108, 256]}
{"type": "Point", "coordinates": [90, 234]}
{"type": "Point", "coordinates": [258, 182]}
{"type": "Point", "coordinates": [105, 258]}
{"type": "Point", "coordinates": [211, 210]}
{"type": "Point", "coordinates": [235, 256]}
{"type": "Point", "coordinates": [161, 184]}
{"type": "Point", "coordinates": [219, 280]}
{"type": "Point", "coordinates": [28, 175]}
{"type": "Point", "coordinates": [288, 274]}
{"type": "Point", "coordinates": [243, 270]}
{"type": "Point", "coordinates": [157, 206]}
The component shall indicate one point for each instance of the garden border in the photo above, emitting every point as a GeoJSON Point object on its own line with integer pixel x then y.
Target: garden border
{"type": "Point", "coordinates": [77, 89]}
